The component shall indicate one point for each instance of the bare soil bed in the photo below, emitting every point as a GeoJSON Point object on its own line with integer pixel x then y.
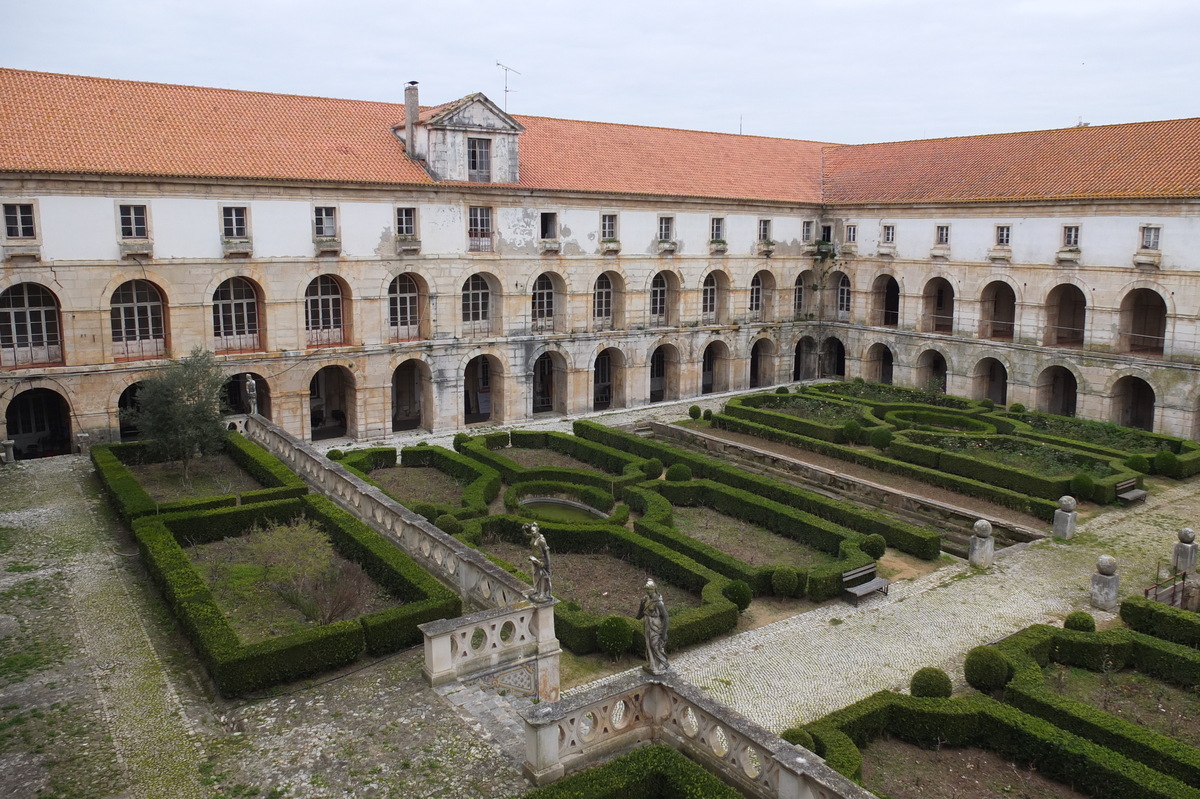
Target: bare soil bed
{"type": "Point", "coordinates": [602, 584]}
{"type": "Point", "coordinates": [537, 458]}
{"type": "Point", "coordinates": [208, 476]}
{"type": "Point", "coordinates": [745, 541]}
{"type": "Point", "coordinates": [424, 483]}
{"type": "Point", "coordinates": [900, 770]}
{"type": "Point", "coordinates": [1166, 709]}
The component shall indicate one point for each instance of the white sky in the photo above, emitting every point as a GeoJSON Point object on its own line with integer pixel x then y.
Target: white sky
{"type": "Point", "coordinates": [831, 70]}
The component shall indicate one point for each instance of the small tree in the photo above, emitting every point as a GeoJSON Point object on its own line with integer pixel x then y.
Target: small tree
{"type": "Point", "coordinates": [179, 410]}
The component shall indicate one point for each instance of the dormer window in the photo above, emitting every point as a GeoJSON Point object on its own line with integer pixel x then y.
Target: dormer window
{"type": "Point", "coordinates": [479, 160]}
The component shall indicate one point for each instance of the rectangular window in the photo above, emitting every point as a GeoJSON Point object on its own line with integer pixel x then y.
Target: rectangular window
{"type": "Point", "coordinates": [549, 225]}
{"type": "Point", "coordinates": [764, 230]}
{"type": "Point", "coordinates": [406, 222]}
{"type": "Point", "coordinates": [889, 234]}
{"type": "Point", "coordinates": [608, 227]}
{"type": "Point", "coordinates": [479, 160]}
{"type": "Point", "coordinates": [18, 221]}
{"type": "Point", "coordinates": [133, 222]}
{"type": "Point", "coordinates": [325, 222]}
{"type": "Point", "coordinates": [233, 222]}
{"type": "Point", "coordinates": [826, 233]}
{"type": "Point", "coordinates": [717, 228]}
{"type": "Point", "coordinates": [666, 228]}
{"type": "Point", "coordinates": [1003, 235]}
{"type": "Point", "coordinates": [806, 231]}
{"type": "Point", "coordinates": [1070, 235]}
{"type": "Point", "coordinates": [479, 229]}
{"type": "Point", "coordinates": [943, 235]}
{"type": "Point", "coordinates": [851, 234]}
{"type": "Point", "coordinates": [1150, 238]}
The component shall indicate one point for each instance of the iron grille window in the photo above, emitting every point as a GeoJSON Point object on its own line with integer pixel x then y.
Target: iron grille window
{"type": "Point", "coordinates": [18, 221]}
{"type": "Point", "coordinates": [479, 160]}
{"type": "Point", "coordinates": [235, 314]}
{"type": "Point", "coordinates": [406, 222]}
{"type": "Point", "coordinates": [479, 229]}
{"type": "Point", "coordinates": [608, 227]}
{"type": "Point", "coordinates": [325, 222]}
{"type": "Point", "coordinates": [133, 222]}
{"type": "Point", "coordinates": [476, 297]}
{"type": "Point", "coordinates": [233, 222]}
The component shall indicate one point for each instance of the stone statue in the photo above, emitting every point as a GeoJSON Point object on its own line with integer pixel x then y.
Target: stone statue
{"type": "Point", "coordinates": [251, 393]}
{"type": "Point", "coordinates": [653, 612]}
{"type": "Point", "coordinates": [539, 561]}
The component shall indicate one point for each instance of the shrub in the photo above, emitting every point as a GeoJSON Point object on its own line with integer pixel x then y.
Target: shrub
{"type": "Point", "coordinates": [1138, 463]}
{"type": "Point", "coordinates": [1080, 620]}
{"type": "Point", "coordinates": [615, 636]}
{"type": "Point", "coordinates": [652, 468]}
{"type": "Point", "coordinates": [874, 545]}
{"type": "Point", "coordinates": [781, 390]}
{"type": "Point", "coordinates": [987, 404]}
{"type": "Point", "coordinates": [1166, 462]}
{"type": "Point", "coordinates": [881, 438]}
{"type": "Point", "coordinates": [852, 430]}
{"type": "Point", "coordinates": [679, 473]}
{"type": "Point", "coordinates": [707, 415]}
{"type": "Point", "coordinates": [785, 581]}
{"type": "Point", "coordinates": [460, 439]}
{"type": "Point", "coordinates": [1083, 486]}
{"type": "Point", "coordinates": [986, 669]}
{"type": "Point", "coordinates": [448, 524]}
{"type": "Point", "coordinates": [1016, 407]}
{"type": "Point", "coordinates": [931, 682]}
{"type": "Point", "coordinates": [738, 592]}
{"type": "Point", "coordinates": [798, 736]}
{"type": "Point", "coordinates": [694, 411]}
{"type": "Point", "coordinates": [335, 454]}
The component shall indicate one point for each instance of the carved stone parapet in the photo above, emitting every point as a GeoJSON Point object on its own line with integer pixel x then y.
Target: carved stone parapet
{"type": "Point", "coordinates": [667, 246]}
{"type": "Point", "coordinates": [549, 246]}
{"type": "Point", "coordinates": [242, 246]}
{"type": "Point", "coordinates": [326, 245]}
{"type": "Point", "coordinates": [1067, 255]}
{"type": "Point", "coordinates": [407, 245]}
{"type": "Point", "coordinates": [610, 246]}
{"type": "Point", "coordinates": [137, 247]}
{"type": "Point", "coordinates": [23, 250]}
{"type": "Point", "coordinates": [1150, 258]}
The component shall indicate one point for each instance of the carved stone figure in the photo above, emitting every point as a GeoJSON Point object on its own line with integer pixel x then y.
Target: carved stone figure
{"type": "Point", "coordinates": [251, 393]}
{"type": "Point", "coordinates": [653, 612]}
{"type": "Point", "coordinates": [540, 563]}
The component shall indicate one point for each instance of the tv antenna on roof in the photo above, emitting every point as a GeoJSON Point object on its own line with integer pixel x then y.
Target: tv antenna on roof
{"type": "Point", "coordinates": [506, 89]}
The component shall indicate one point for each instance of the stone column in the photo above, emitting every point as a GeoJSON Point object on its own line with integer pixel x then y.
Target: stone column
{"type": "Point", "coordinates": [983, 547]}
{"type": "Point", "coordinates": [1105, 583]}
{"type": "Point", "coordinates": [1064, 517]}
{"type": "Point", "coordinates": [84, 442]}
{"type": "Point", "coordinates": [1183, 554]}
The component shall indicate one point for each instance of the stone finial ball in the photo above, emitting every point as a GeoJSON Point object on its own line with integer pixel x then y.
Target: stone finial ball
{"type": "Point", "coordinates": [1106, 565]}
{"type": "Point", "coordinates": [1067, 504]}
{"type": "Point", "coordinates": [983, 528]}
{"type": "Point", "coordinates": [1187, 535]}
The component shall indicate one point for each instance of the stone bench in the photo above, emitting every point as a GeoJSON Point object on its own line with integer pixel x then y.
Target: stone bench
{"type": "Point", "coordinates": [1127, 491]}
{"type": "Point", "coordinates": [873, 582]}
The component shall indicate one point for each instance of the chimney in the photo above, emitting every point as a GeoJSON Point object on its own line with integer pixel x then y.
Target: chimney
{"type": "Point", "coordinates": [412, 109]}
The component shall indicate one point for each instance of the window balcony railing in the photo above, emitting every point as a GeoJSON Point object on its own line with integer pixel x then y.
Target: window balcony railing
{"type": "Point", "coordinates": [405, 332]}
{"type": "Point", "coordinates": [325, 336]}
{"type": "Point", "coordinates": [27, 355]}
{"type": "Point", "coordinates": [479, 242]}
{"type": "Point", "coordinates": [139, 349]}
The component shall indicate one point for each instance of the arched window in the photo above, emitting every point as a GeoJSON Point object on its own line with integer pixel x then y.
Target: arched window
{"type": "Point", "coordinates": [708, 300]}
{"type": "Point", "coordinates": [235, 315]}
{"type": "Point", "coordinates": [29, 329]}
{"type": "Point", "coordinates": [658, 300]}
{"type": "Point", "coordinates": [404, 314]}
{"type": "Point", "coordinates": [843, 299]}
{"type": "Point", "coordinates": [756, 298]}
{"type": "Point", "coordinates": [137, 321]}
{"type": "Point", "coordinates": [476, 305]}
{"type": "Point", "coordinates": [602, 303]}
{"type": "Point", "coordinates": [323, 311]}
{"type": "Point", "coordinates": [543, 303]}
{"type": "Point", "coordinates": [798, 298]}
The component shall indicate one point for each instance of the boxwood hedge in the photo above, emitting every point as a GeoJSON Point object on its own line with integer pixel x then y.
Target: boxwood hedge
{"type": "Point", "coordinates": [618, 468]}
{"type": "Point", "coordinates": [652, 772]}
{"type": "Point", "coordinates": [481, 484]}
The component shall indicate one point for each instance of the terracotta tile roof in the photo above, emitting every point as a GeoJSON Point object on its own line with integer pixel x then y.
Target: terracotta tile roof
{"type": "Point", "coordinates": [1139, 160]}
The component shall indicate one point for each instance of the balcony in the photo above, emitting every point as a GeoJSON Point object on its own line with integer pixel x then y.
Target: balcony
{"type": "Point", "coordinates": [549, 246]}
{"type": "Point", "coordinates": [718, 247]}
{"type": "Point", "coordinates": [667, 246]}
{"type": "Point", "coordinates": [610, 246]}
{"type": "Point", "coordinates": [1067, 255]}
{"type": "Point", "coordinates": [407, 244]}
{"type": "Point", "coordinates": [1147, 258]}
{"type": "Point", "coordinates": [328, 245]}
{"type": "Point", "coordinates": [131, 247]}
{"type": "Point", "coordinates": [325, 336]}
{"type": "Point", "coordinates": [479, 241]}
{"type": "Point", "coordinates": [237, 247]}
{"type": "Point", "coordinates": [765, 247]}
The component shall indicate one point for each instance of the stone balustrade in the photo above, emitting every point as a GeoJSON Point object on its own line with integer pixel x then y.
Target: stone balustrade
{"type": "Point", "coordinates": [637, 708]}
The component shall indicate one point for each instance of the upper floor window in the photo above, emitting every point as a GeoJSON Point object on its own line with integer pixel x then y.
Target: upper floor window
{"type": "Point", "coordinates": [233, 222]}
{"type": "Point", "coordinates": [843, 297]}
{"type": "Point", "coordinates": [1150, 237]}
{"type": "Point", "coordinates": [1003, 235]}
{"type": "Point", "coordinates": [943, 235]}
{"type": "Point", "coordinates": [29, 326]}
{"type": "Point", "coordinates": [764, 230]}
{"type": "Point", "coordinates": [543, 302]}
{"type": "Point", "coordinates": [549, 225]}
{"type": "Point", "coordinates": [323, 311]}
{"type": "Point", "coordinates": [608, 227]}
{"type": "Point", "coordinates": [18, 221]}
{"type": "Point", "coordinates": [479, 229]}
{"type": "Point", "coordinates": [889, 234]}
{"type": "Point", "coordinates": [1070, 235]}
{"type": "Point", "coordinates": [325, 222]}
{"type": "Point", "coordinates": [658, 299]}
{"type": "Point", "coordinates": [851, 233]}
{"type": "Point", "coordinates": [235, 315]}
{"type": "Point", "coordinates": [717, 228]}
{"type": "Point", "coordinates": [406, 222]}
{"type": "Point", "coordinates": [666, 228]}
{"type": "Point", "coordinates": [826, 233]}
{"type": "Point", "coordinates": [806, 231]}
{"type": "Point", "coordinates": [708, 300]}
{"type": "Point", "coordinates": [136, 317]}
{"type": "Point", "coordinates": [404, 307]}
{"type": "Point", "coordinates": [133, 222]}
{"type": "Point", "coordinates": [602, 299]}
{"type": "Point", "coordinates": [476, 299]}
{"type": "Point", "coordinates": [756, 296]}
{"type": "Point", "coordinates": [479, 160]}
{"type": "Point", "coordinates": [798, 298]}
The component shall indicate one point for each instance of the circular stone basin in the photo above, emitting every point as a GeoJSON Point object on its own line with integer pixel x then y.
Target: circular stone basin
{"type": "Point", "coordinates": [554, 509]}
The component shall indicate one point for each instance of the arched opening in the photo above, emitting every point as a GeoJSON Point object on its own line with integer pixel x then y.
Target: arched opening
{"type": "Point", "coordinates": [761, 302]}
{"type": "Point", "coordinates": [408, 308]}
{"type": "Point", "coordinates": [29, 326]}
{"type": "Point", "coordinates": [664, 296]}
{"type": "Point", "coordinates": [236, 394]}
{"type": "Point", "coordinates": [1143, 323]}
{"type": "Point", "coordinates": [833, 358]}
{"type": "Point", "coordinates": [608, 302]}
{"type": "Point", "coordinates": [1133, 403]}
{"type": "Point", "coordinates": [997, 311]}
{"type": "Point", "coordinates": [482, 390]}
{"type": "Point", "coordinates": [939, 306]}
{"type": "Point", "coordinates": [137, 316]}
{"type": "Point", "coordinates": [804, 366]}
{"type": "Point", "coordinates": [236, 316]}
{"type": "Point", "coordinates": [325, 312]}
{"type": "Point", "coordinates": [714, 371]}
{"type": "Point", "coordinates": [931, 371]}
{"type": "Point", "coordinates": [608, 380]}
{"type": "Point", "coordinates": [880, 364]}
{"type": "Point", "coordinates": [39, 424]}
{"type": "Point", "coordinates": [991, 381]}
{"type": "Point", "coordinates": [331, 402]}
{"type": "Point", "coordinates": [127, 403]}
{"type": "Point", "coordinates": [762, 363]}
{"type": "Point", "coordinates": [1057, 391]}
{"type": "Point", "coordinates": [885, 302]}
{"type": "Point", "coordinates": [547, 303]}
{"type": "Point", "coordinates": [713, 292]}
{"type": "Point", "coordinates": [412, 393]}
{"type": "Point", "coordinates": [550, 383]}
{"type": "Point", "coordinates": [800, 297]}
{"type": "Point", "coordinates": [664, 374]}
{"type": "Point", "coordinates": [477, 310]}
{"type": "Point", "coordinates": [1066, 316]}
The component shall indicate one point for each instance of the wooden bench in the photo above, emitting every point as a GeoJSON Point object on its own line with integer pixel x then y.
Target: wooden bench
{"type": "Point", "coordinates": [873, 582]}
{"type": "Point", "coordinates": [1127, 491]}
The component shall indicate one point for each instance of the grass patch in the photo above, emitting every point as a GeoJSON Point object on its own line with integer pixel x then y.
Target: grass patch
{"type": "Point", "coordinates": [744, 540]}
{"type": "Point", "coordinates": [208, 476]}
{"type": "Point", "coordinates": [418, 483]}
{"type": "Point", "coordinates": [528, 458]}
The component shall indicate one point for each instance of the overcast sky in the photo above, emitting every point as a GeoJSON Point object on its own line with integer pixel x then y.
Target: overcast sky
{"type": "Point", "coordinates": [831, 70]}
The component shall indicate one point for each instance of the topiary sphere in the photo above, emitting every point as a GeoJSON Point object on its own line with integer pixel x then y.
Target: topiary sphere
{"type": "Point", "coordinates": [738, 592]}
{"type": "Point", "coordinates": [707, 415]}
{"type": "Point", "coordinates": [1166, 462]}
{"type": "Point", "coordinates": [614, 636]}
{"type": "Point", "coordinates": [1138, 462]}
{"type": "Point", "coordinates": [852, 430]}
{"type": "Point", "coordinates": [1083, 485]}
{"type": "Point", "coordinates": [450, 525]}
{"type": "Point", "coordinates": [679, 473]}
{"type": "Point", "coordinates": [1081, 621]}
{"type": "Point", "coordinates": [798, 736]}
{"type": "Point", "coordinates": [781, 390]}
{"type": "Point", "coordinates": [986, 669]}
{"type": "Point", "coordinates": [785, 581]}
{"type": "Point", "coordinates": [987, 404]}
{"type": "Point", "coordinates": [1016, 407]}
{"type": "Point", "coordinates": [881, 438]}
{"type": "Point", "coordinates": [874, 545]}
{"type": "Point", "coordinates": [335, 454]}
{"type": "Point", "coordinates": [652, 468]}
{"type": "Point", "coordinates": [694, 412]}
{"type": "Point", "coordinates": [931, 682]}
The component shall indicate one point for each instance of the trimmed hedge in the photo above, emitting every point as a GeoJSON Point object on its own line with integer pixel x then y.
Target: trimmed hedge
{"type": "Point", "coordinates": [619, 468]}
{"type": "Point", "coordinates": [481, 483]}
{"type": "Point", "coordinates": [131, 501]}
{"type": "Point", "coordinates": [1162, 621]}
{"type": "Point", "coordinates": [652, 772]}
